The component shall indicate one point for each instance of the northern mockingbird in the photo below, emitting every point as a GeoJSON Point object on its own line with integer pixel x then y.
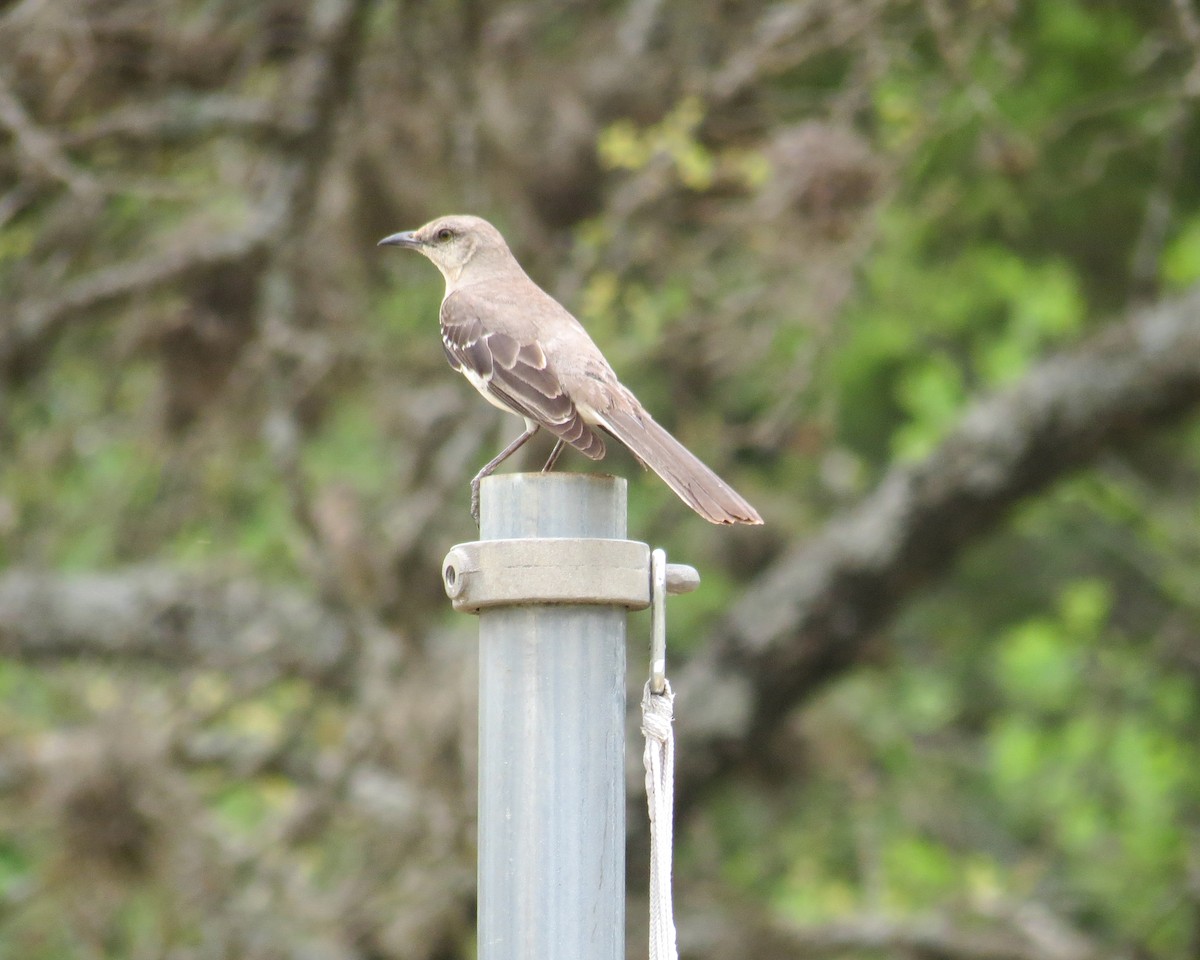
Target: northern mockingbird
{"type": "Point", "coordinates": [527, 355]}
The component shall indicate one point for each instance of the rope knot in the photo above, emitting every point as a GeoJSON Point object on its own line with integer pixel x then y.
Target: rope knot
{"type": "Point", "coordinates": [658, 711]}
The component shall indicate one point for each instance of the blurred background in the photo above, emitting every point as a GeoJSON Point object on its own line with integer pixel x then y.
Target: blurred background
{"type": "Point", "coordinates": [921, 278]}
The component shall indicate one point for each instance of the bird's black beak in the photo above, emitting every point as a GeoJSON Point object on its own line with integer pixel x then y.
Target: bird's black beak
{"type": "Point", "coordinates": [406, 238]}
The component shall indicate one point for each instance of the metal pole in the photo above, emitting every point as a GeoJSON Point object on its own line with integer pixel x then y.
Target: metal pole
{"type": "Point", "coordinates": [552, 741]}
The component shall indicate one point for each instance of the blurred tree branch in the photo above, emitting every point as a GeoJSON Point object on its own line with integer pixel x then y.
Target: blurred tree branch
{"type": "Point", "coordinates": [173, 619]}
{"type": "Point", "coordinates": [40, 150]}
{"type": "Point", "coordinates": [181, 118]}
{"type": "Point", "coordinates": [37, 323]}
{"type": "Point", "coordinates": [808, 617]}
{"type": "Point", "coordinates": [1023, 932]}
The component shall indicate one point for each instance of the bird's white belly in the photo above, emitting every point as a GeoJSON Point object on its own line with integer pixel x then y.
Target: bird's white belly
{"type": "Point", "coordinates": [480, 384]}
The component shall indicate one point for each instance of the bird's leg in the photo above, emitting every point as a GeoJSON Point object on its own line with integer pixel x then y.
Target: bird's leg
{"type": "Point", "coordinates": [554, 455]}
{"type": "Point", "coordinates": [491, 465]}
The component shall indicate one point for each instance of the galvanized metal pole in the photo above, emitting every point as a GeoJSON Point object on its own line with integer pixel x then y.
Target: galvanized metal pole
{"type": "Point", "coordinates": [552, 741]}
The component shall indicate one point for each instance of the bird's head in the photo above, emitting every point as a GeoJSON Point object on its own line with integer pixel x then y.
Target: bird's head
{"type": "Point", "coordinates": [463, 247]}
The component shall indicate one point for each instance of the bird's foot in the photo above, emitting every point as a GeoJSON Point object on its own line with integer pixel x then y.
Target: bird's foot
{"type": "Point", "coordinates": [475, 501]}
{"type": "Point", "coordinates": [554, 455]}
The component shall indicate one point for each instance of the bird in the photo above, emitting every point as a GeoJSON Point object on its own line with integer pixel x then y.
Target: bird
{"type": "Point", "coordinates": [527, 355]}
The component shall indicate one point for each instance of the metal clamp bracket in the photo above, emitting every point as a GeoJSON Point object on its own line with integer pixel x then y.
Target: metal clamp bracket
{"type": "Point", "coordinates": [499, 573]}
{"type": "Point", "coordinates": [571, 570]}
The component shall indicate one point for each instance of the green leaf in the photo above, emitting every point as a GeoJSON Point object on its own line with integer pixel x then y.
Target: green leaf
{"type": "Point", "coordinates": [1181, 259]}
{"type": "Point", "coordinates": [1036, 666]}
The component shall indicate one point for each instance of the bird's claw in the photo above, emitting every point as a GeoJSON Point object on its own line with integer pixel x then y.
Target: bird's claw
{"type": "Point", "coordinates": [475, 501]}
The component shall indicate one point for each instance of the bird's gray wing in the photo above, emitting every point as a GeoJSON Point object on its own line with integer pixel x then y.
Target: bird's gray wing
{"type": "Point", "coordinates": [515, 371]}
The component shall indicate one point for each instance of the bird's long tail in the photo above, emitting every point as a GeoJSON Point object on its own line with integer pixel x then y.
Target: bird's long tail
{"type": "Point", "coordinates": [693, 482]}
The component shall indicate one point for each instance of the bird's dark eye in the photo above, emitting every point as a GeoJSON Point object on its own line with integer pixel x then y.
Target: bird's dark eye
{"type": "Point", "coordinates": [445, 234]}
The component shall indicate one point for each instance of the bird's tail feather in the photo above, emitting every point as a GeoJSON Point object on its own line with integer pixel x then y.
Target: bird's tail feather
{"type": "Point", "coordinates": [693, 482]}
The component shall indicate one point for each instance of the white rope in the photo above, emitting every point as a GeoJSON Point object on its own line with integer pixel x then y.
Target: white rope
{"type": "Point", "coordinates": [659, 758]}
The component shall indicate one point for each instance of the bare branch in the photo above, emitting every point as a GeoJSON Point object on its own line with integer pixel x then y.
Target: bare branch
{"type": "Point", "coordinates": [324, 78]}
{"type": "Point", "coordinates": [37, 322]}
{"type": "Point", "coordinates": [1189, 25]}
{"type": "Point", "coordinates": [15, 200]}
{"type": "Point", "coordinates": [179, 119]}
{"type": "Point", "coordinates": [159, 616]}
{"type": "Point", "coordinates": [41, 151]}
